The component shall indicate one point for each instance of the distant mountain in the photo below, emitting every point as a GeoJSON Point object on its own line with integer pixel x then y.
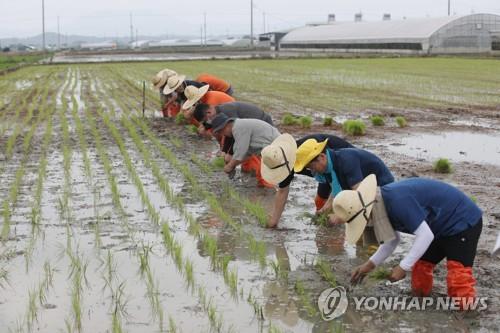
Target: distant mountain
{"type": "Point", "coordinates": [51, 39]}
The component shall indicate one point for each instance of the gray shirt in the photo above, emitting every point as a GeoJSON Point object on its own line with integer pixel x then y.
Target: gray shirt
{"type": "Point", "coordinates": [243, 111]}
{"type": "Point", "coordinates": [250, 136]}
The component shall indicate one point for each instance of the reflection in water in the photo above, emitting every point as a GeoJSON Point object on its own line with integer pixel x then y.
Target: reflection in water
{"type": "Point", "coordinates": [457, 146]}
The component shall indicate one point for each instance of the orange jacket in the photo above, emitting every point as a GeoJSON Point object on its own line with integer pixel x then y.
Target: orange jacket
{"type": "Point", "coordinates": [215, 98]}
{"type": "Point", "coordinates": [215, 83]}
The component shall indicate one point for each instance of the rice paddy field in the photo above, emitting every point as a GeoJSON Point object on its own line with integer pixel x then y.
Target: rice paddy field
{"type": "Point", "coordinates": [112, 221]}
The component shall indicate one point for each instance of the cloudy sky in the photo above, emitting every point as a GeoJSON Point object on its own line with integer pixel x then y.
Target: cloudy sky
{"type": "Point", "coordinates": [22, 18]}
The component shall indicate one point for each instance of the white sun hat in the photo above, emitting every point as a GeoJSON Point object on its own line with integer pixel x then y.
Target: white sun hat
{"type": "Point", "coordinates": [173, 83]}
{"type": "Point", "coordinates": [278, 159]}
{"type": "Point", "coordinates": [160, 78]}
{"type": "Point", "coordinates": [355, 207]}
{"type": "Point", "coordinates": [193, 95]}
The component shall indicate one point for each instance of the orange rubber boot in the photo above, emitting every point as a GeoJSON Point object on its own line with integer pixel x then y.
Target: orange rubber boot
{"type": "Point", "coordinates": [461, 283]}
{"type": "Point", "coordinates": [252, 163]}
{"type": "Point", "coordinates": [319, 202]}
{"type": "Point", "coordinates": [421, 278]}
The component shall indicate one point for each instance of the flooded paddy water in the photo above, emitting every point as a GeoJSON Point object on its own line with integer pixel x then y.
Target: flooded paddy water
{"type": "Point", "coordinates": [113, 222]}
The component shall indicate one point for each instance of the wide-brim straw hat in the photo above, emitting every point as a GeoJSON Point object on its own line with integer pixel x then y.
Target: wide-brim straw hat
{"type": "Point", "coordinates": [278, 159]}
{"type": "Point", "coordinates": [193, 95]}
{"type": "Point", "coordinates": [160, 78]}
{"type": "Point", "coordinates": [307, 152]}
{"type": "Point", "coordinates": [173, 83]}
{"type": "Point", "coordinates": [355, 207]}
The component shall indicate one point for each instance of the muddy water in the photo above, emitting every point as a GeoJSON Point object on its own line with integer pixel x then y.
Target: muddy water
{"type": "Point", "coordinates": [456, 146]}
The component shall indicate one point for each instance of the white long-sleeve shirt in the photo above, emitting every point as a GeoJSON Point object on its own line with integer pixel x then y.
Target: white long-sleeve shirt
{"type": "Point", "coordinates": [423, 239]}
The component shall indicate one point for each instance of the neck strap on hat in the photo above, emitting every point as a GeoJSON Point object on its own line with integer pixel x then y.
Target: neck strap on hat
{"type": "Point", "coordinates": [362, 210]}
{"type": "Point", "coordinates": [286, 163]}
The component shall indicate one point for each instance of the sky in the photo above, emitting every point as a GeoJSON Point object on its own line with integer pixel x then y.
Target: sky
{"type": "Point", "coordinates": [111, 18]}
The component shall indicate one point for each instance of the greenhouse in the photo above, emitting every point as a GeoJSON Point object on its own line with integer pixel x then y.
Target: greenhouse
{"type": "Point", "coordinates": [475, 33]}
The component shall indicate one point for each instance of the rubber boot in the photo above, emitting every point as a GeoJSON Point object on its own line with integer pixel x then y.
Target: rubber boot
{"type": "Point", "coordinates": [319, 202]}
{"type": "Point", "coordinates": [421, 278]}
{"type": "Point", "coordinates": [461, 283]}
{"type": "Point", "coordinates": [252, 164]}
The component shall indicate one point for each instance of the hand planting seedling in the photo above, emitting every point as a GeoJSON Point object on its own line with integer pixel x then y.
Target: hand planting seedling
{"type": "Point", "coordinates": [218, 162]}
{"type": "Point", "coordinates": [192, 129]}
{"type": "Point", "coordinates": [380, 273]}
{"type": "Point", "coordinates": [318, 219]}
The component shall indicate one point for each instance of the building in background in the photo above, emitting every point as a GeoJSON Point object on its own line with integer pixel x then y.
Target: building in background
{"type": "Point", "coordinates": [475, 33]}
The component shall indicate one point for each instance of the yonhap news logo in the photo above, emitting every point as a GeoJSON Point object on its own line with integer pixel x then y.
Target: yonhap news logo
{"type": "Point", "coordinates": [333, 303]}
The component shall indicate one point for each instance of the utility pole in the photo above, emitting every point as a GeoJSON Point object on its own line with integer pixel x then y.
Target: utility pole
{"type": "Point", "coordinates": [264, 20]}
{"type": "Point", "coordinates": [448, 7]}
{"type": "Point", "coordinates": [43, 25]}
{"type": "Point", "coordinates": [251, 23]}
{"type": "Point", "coordinates": [201, 35]}
{"type": "Point", "coordinates": [205, 27]}
{"type": "Point", "coordinates": [58, 34]}
{"type": "Point", "coordinates": [131, 31]}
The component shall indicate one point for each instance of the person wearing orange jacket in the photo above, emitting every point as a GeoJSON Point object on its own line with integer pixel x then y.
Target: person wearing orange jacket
{"type": "Point", "coordinates": [446, 223]}
{"type": "Point", "coordinates": [215, 83]}
{"type": "Point", "coordinates": [196, 95]}
{"type": "Point", "coordinates": [174, 92]}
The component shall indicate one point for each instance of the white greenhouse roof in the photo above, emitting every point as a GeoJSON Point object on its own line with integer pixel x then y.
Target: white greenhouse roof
{"type": "Point", "coordinates": [401, 29]}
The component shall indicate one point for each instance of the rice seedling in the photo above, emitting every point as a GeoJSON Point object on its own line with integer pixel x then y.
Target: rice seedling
{"type": "Point", "coordinates": [218, 162]}
{"type": "Point", "coordinates": [175, 141]}
{"type": "Point", "coordinates": [380, 273]}
{"type": "Point", "coordinates": [289, 120]}
{"type": "Point", "coordinates": [305, 121]}
{"type": "Point", "coordinates": [180, 119]}
{"type": "Point", "coordinates": [205, 167]}
{"type": "Point", "coordinates": [6, 221]}
{"type": "Point", "coordinates": [318, 219]}
{"type": "Point", "coordinates": [443, 165]}
{"type": "Point", "coordinates": [273, 329]}
{"type": "Point", "coordinates": [233, 283]}
{"type": "Point", "coordinates": [188, 273]}
{"type": "Point", "coordinates": [328, 121]}
{"type": "Point", "coordinates": [257, 308]}
{"type": "Point", "coordinates": [305, 299]}
{"type": "Point", "coordinates": [377, 121]}
{"type": "Point", "coordinates": [31, 314]}
{"type": "Point", "coordinates": [4, 278]}
{"type": "Point", "coordinates": [172, 327]}
{"type": "Point", "coordinates": [192, 129]}
{"type": "Point", "coordinates": [354, 127]}
{"type": "Point", "coordinates": [280, 272]}
{"type": "Point", "coordinates": [473, 198]}
{"type": "Point", "coordinates": [323, 268]}
{"type": "Point", "coordinates": [401, 121]}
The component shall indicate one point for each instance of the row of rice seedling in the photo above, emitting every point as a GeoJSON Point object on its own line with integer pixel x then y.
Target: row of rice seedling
{"type": "Point", "coordinates": [26, 120]}
{"type": "Point", "coordinates": [151, 286]}
{"type": "Point", "coordinates": [173, 247]}
{"type": "Point", "coordinates": [9, 203]}
{"type": "Point", "coordinates": [230, 276]}
{"type": "Point", "coordinates": [175, 250]}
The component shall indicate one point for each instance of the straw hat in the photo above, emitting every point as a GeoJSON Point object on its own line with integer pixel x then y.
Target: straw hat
{"type": "Point", "coordinates": [278, 159]}
{"type": "Point", "coordinates": [193, 95]}
{"type": "Point", "coordinates": [161, 77]}
{"type": "Point", "coordinates": [307, 152]}
{"type": "Point", "coordinates": [355, 207]}
{"type": "Point", "coordinates": [173, 83]}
